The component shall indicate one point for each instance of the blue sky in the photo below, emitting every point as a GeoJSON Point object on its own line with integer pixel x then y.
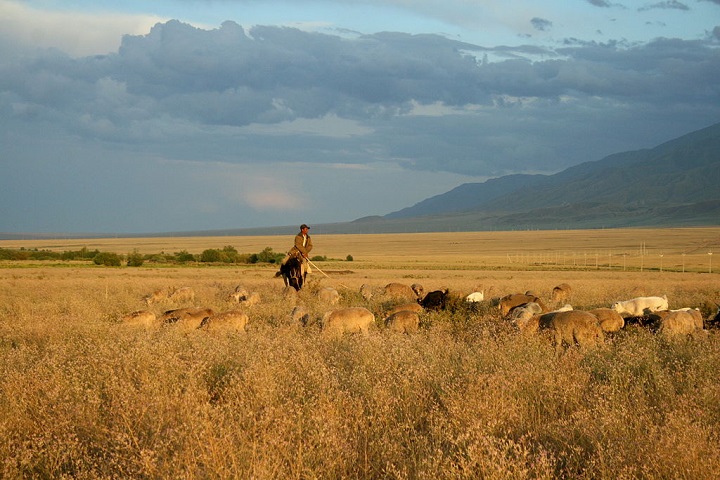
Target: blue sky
{"type": "Point", "coordinates": [173, 115]}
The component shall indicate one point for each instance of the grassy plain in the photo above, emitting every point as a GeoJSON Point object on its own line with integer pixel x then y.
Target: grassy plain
{"type": "Point", "coordinates": [84, 396]}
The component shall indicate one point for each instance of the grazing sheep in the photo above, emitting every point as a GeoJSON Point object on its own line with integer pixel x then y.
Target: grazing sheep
{"type": "Point", "coordinates": [561, 293]}
{"type": "Point", "coordinates": [435, 300]}
{"type": "Point", "coordinates": [189, 318]}
{"type": "Point", "coordinates": [418, 289]}
{"type": "Point", "coordinates": [300, 315]}
{"type": "Point", "coordinates": [240, 293]}
{"type": "Point", "coordinates": [640, 305]}
{"type": "Point", "coordinates": [347, 320]}
{"type": "Point", "coordinates": [181, 295]}
{"type": "Point", "coordinates": [608, 319]}
{"type": "Point", "coordinates": [403, 321]}
{"type": "Point", "coordinates": [176, 295]}
{"type": "Point", "coordinates": [410, 307]}
{"type": "Point", "coordinates": [230, 320]}
{"type": "Point", "coordinates": [329, 295]}
{"type": "Point", "coordinates": [714, 322]}
{"type": "Point", "coordinates": [399, 290]}
{"type": "Point", "coordinates": [475, 297]}
{"type": "Point", "coordinates": [526, 317]}
{"type": "Point", "coordinates": [514, 299]}
{"type": "Point", "coordinates": [575, 326]}
{"type": "Point", "coordinates": [252, 299]}
{"type": "Point", "coordinates": [142, 318]}
{"type": "Point", "coordinates": [366, 291]}
{"type": "Point", "coordinates": [155, 297]}
{"type": "Point", "coordinates": [679, 322]}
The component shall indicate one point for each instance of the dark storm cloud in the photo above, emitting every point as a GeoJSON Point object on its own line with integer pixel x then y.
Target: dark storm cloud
{"type": "Point", "coordinates": [180, 91]}
{"type": "Point", "coordinates": [541, 24]}
{"type": "Point", "coordinates": [667, 5]}
{"type": "Point", "coordinates": [599, 3]}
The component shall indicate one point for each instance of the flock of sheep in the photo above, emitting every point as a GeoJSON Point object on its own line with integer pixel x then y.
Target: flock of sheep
{"type": "Point", "coordinates": [403, 306]}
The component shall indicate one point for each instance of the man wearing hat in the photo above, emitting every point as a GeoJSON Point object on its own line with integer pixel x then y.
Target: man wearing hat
{"type": "Point", "coordinates": [301, 249]}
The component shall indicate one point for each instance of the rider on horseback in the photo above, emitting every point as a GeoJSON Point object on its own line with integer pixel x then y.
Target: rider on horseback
{"type": "Point", "coordinates": [300, 250]}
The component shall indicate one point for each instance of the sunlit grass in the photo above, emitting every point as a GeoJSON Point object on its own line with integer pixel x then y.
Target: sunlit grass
{"type": "Point", "coordinates": [83, 396]}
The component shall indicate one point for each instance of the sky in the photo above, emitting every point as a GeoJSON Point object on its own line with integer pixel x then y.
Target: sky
{"type": "Point", "coordinates": [134, 117]}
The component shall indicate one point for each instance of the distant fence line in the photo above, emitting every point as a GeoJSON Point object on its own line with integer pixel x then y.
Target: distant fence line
{"type": "Point", "coordinates": [639, 260]}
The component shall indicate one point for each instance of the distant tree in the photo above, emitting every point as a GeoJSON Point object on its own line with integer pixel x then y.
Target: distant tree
{"type": "Point", "coordinates": [349, 258]}
{"type": "Point", "coordinates": [211, 255]}
{"type": "Point", "coordinates": [184, 256]}
{"type": "Point", "coordinates": [135, 259]}
{"type": "Point", "coordinates": [108, 259]}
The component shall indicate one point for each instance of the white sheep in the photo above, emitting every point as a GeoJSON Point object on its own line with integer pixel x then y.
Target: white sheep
{"type": "Point", "coordinates": [526, 317]}
{"type": "Point", "coordinates": [475, 297]}
{"type": "Point", "coordinates": [640, 306]}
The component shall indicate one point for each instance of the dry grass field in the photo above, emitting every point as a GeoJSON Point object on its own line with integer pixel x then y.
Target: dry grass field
{"type": "Point", "coordinates": [84, 395]}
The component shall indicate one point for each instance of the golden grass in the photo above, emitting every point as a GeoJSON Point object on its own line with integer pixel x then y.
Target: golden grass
{"type": "Point", "coordinates": [82, 396]}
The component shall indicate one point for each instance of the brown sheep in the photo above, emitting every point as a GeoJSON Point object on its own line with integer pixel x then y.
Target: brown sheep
{"type": "Point", "coordinates": [347, 320]}
{"type": "Point", "coordinates": [680, 322]}
{"type": "Point", "coordinates": [561, 293]}
{"type": "Point", "coordinates": [252, 299]}
{"type": "Point", "coordinates": [367, 291]}
{"type": "Point", "coordinates": [418, 289]}
{"type": "Point", "coordinates": [300, 315]}
{"type": "Point", "coordinates": [403, 321]}
{"type": "Point", "coordinates": [411, 307]}
{"type": "Point", "coordinates": [399, 290]}
{"type": "Point", "coordinates": [142, 318]}
{"type": "Point", "coordinates": [240, 293]}
{"type": "Point", "coordinates": [189, 318]}
{"type": "Point", "coordinates": [609, 319]}
{"type": "Point", "coordinates": [182, 295]}
{"type": "Point", "coordinates": [230, 320]}
{"type": "Point", "coordinates": [329, 296]}
{"type": "Point", "coordinates": [575, 326]}
{"type": "Point", "coordinates": [508, 302]}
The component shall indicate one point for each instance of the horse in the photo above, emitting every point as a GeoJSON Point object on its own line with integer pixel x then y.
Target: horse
{"type": "Point", "coordinates": [292, 273]}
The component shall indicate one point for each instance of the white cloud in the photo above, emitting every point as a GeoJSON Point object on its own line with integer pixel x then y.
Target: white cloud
{"type": "Point", "coordinates": [75, 33]}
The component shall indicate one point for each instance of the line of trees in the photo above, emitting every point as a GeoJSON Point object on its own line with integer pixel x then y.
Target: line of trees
{"type": "Point", "coordinates": [227, 254]}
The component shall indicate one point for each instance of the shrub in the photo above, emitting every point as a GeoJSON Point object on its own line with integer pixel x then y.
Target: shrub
{"type": "Point", "coordinates": [349, 258]}
{"type": "Point", "coordinates": [135, 259]}
{"type": "Point", "coordinates": [184, 256]}
{"type": "Point", "coordinates": [108, 259]}
{"type": "Point", "coordinates": [210, 255]}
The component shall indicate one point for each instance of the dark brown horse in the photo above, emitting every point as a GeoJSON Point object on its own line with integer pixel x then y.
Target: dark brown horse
{"type": "Point", "coordinates": [292, 273]}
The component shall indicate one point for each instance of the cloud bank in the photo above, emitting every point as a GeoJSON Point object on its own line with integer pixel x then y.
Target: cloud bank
{"type": "Point", "coordinates": [186, 128]}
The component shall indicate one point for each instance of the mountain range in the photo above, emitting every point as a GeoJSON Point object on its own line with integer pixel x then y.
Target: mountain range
{"type": "Point", "coordinates": [674, 184]}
